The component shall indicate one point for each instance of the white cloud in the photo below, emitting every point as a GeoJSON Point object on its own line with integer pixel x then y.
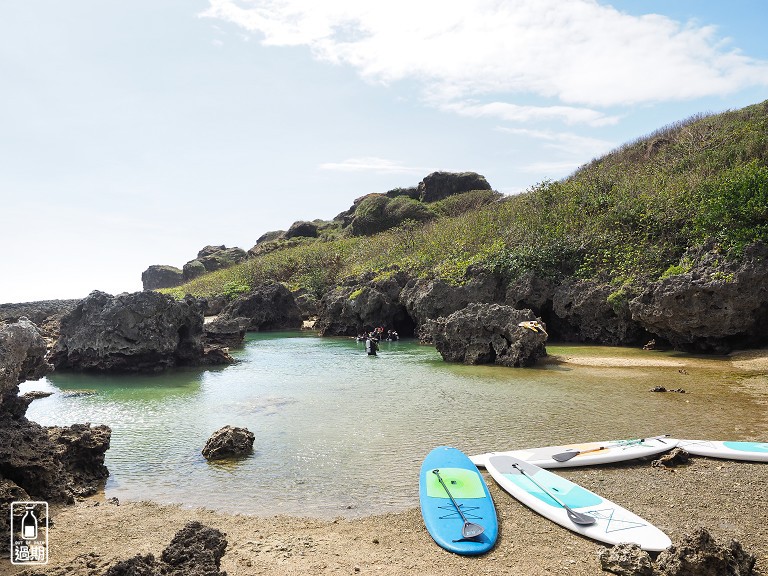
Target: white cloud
{"type": "Point", "coordinates": [516, 113]}
{"type": "Point", "coordinates": [569, 142]}
{"type": "Point", "coordinates": [580, 52]}
{"type": "Point", "coordinates": [371, 164]}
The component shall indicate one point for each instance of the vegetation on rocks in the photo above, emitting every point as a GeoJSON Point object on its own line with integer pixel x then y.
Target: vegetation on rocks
{"type": "Point", "coordinates": [627, 218]}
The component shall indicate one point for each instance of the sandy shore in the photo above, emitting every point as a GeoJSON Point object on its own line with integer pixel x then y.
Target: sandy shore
{"type": "Point", "coordinates": [727, 498]}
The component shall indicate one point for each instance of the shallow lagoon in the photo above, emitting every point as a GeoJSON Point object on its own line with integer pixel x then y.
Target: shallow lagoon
{"type": "Point", "coordinates": [339, 433]}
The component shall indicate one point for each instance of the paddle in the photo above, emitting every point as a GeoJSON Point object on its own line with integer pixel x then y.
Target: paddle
{"type": "Point", "coordinates": [575, 517]}
{"type": "Point", "coordinates": [565, 456]}
{"type": "Point", "coordinates": [470, 529]}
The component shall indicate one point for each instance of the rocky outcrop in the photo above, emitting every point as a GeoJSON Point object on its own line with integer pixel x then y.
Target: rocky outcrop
{"type": "Point", "coordinates": [53, 464]}
{"type": "Point", "coordinates": [226, 332]}
{"type": "Point", "coordinates": [699, 555]}
{"type": "Point", "coordinates": [377, 212]}
{"type": "Point", "coordinates": [267, 307]}
{"type": "Point", "coordinates": [161, 276]}
{"type": "Point", "coordinates": [439, 185]}
{"type": "Point", "coordinates": [46, 314]}
{"type": "Point", "coordinates": [489, 334]}
{"type": "Point", "coordinates": [196, 550]}
{"type": "Point", "coordinates": [139, 332]}
{"type": "Point", "coordinates": [301, 229]}
{"type": "Point", "coordinates": [213, 258]}
{"type": "Point", "coordinates": [427, 299]}
{"type": "Point", "coordinates": [270, 236]}
{"type": "Point", "coordinates": [586, 311]}
{"type": "Point", "coordinates": [715, 306]}
{"type": "Point", "coordinates": [228, 442]}
{"type": "Point", "coordinates": [348, 310]}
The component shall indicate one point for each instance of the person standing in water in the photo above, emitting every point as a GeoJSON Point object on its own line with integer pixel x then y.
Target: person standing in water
{"type": "Point", "coordinates": [371, 346]}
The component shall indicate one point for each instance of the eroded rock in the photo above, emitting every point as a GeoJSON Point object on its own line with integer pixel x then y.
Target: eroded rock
{"type": "Point", "coordinates": [139, 332]}
{"type": "Point", "coordinates": [196, 550]}
{"type": "Point", "coordinates": [489, 334]}
{"type": "Point", "coordinates": [699, 555]}
{"type": "Point", "coordinates": [626, 559]}
{"type": "Point", "coordinates": [228, 442]}
{"type": "Point", "coordinates": [267, 307]}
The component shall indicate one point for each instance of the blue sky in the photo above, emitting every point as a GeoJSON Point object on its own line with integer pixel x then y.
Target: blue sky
{"type": "Point", "coordinates": [135, 133]}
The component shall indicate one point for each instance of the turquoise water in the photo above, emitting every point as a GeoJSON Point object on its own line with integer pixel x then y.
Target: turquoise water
{"type": "Point", "coordinates": [339, 433]}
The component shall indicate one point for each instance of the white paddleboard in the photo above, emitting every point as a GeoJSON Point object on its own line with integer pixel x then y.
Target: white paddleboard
{"type": "Point", "coordinates": [613, 524]}
{"type": "Point", "coordinates": [586, 453]}
{"type": "Point", "coordinates": [752, 451]}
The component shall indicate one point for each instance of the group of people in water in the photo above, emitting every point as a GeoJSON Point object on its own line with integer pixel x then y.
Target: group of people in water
{"type": "Point", "coordinates": [373, 338]}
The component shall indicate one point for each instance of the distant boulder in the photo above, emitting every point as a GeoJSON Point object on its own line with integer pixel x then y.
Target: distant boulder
{"type": "Point", "coordinates": [302, 229]}
{"type": "Point", "coordinates": [161, 276]}
{"type": "Point", "coordinates": [212, 258]}
{"type": "Point", "coordinates": [489, 334]}
{"type": "Point", "coordinates": [439, 185]}
{"type": "Point", "coordinates": [193, 269]}
{"type": "Point", "coordinates": [270, 236]}
{"type": "Point", "coordinates": [377, 212]}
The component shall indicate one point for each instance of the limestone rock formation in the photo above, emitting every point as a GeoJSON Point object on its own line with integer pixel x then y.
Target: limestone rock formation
{"type": "Point", "coordinates": [161, 276]}
{"type": "Point", "coordinates": [46, 314]}
{"type": "Point", "coordinates": [439, 185]}
{"type": "Point", "coordinates": [196, 550]}
{"type": "Point", "coordinates": [587, 311]}
{"type": "Point", "coordinates": [267, 307]}
{"type": "Point", "coordinates": [270, 236]}
{"type": "Point", "coordinates": [364, 305]}
{"type": "Point", "coordinates": [301, 229]}
{"type": "Point", "coordinates": [227, 332]}
{"type": "Point", "coordinates": [53, 464]}
{"type": "Point", "coordinates": [139, 332]}
{"type": "Point", "coordinates": [488, 334]}
{"type": "Point", "coordinates": [377, 212]}
{"type": "Point", "coordinates": [212, 258]}
{"type": "Point", "coordinates": [699, 555]}
{"type": "Point", "coordinates": [228, 442]}
{"type": "Point", "coordinates": [626, 560]}
{"type": "Point", "coordinates": [713, 307]}
{"type": "Point", "coordinates": [427, 299]}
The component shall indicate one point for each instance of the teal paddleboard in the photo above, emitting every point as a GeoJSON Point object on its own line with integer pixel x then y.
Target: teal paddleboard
{"type": "Point", "coordinates": [750, 451]}
{"type": "Point", "coordinates": [464, 482]}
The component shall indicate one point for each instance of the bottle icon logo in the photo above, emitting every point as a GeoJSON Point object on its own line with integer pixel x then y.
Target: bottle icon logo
{"type": "Point", "coordinates": [29, 523]}
{"type": "Point", "coordinates": [29, 532]}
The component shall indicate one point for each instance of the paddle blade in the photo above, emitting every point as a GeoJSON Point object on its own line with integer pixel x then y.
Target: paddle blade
{"type": "Point", "coordinates": [471, 530]}
{"type": "Point", "coordinates": [565, 456]}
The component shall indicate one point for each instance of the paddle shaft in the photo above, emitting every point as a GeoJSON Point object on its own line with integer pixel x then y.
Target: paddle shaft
{"type": "Point", "coordinates": [458, 508]}
{"type": "Point", "coordinates": [576, 517]}
{"type": "Point", "coordinates": [565, 456]}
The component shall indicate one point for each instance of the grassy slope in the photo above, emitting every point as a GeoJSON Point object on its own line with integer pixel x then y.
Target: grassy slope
{"type": "Point", "coordinates": [627, 217]}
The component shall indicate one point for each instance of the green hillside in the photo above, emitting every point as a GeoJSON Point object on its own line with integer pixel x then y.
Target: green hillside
{"type": "Point", "coordinates": [627, 217]}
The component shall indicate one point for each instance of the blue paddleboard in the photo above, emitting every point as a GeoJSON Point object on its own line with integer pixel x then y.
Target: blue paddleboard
{"type": "Point", "coordinates": [470, 492]}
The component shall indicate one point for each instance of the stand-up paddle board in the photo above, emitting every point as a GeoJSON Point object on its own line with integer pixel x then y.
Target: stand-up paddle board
{"type": "Point", "coordinates": [572, 506]}
{"type": "Point", "coordinates": [587, 453]}
{"type": "Point", "coordinates": [449, 480]}
{"type": "Point", "coordinates": [753, 451]}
